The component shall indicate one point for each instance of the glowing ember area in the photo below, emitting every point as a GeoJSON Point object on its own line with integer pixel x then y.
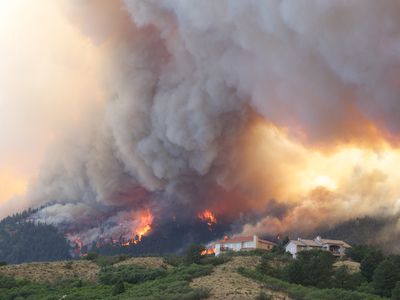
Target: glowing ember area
{"type": "Point", "coordinates": [208, 252]}
{"type": "Point", "coordinates": [317, 183]}
{"type": "Point", "coordinates": [141, 226]}
{"type": "Point", "coordinates": [76, 243]}
{"type": "Point", "coordinates": [208, 217]}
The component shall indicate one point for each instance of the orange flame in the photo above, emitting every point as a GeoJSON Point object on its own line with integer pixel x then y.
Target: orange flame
{"type": "Point", "coordinates": [141, 227]}
{"type": "Point", "coordinates": [207, 216]}
{"type": "Point", "coordinates": [208, 252]}
{"type": "Point", "coordinates": [76, 242]}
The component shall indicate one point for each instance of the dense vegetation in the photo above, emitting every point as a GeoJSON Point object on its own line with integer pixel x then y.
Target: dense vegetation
{"type": "Point", "coordinates": [313, 275]}
{"type": "Point", "coordinates": [24, 241]}
{"type": "Point", "coordinates": [166, 285]}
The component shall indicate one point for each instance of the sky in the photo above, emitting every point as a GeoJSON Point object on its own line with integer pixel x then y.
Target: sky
{"type": "Point", "coordinates": [47, 67]}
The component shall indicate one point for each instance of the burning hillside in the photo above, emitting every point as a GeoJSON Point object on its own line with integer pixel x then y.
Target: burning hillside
{"type": "Point", "coordinates": [271, 116]}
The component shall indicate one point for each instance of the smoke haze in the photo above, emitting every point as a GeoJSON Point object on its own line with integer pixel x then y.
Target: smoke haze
{"type": "Point", "coordinates": [285, 107]}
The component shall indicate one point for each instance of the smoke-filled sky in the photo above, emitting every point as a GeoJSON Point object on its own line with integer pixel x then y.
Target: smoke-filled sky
{"type": "Point", "coordinates": [288, 110]}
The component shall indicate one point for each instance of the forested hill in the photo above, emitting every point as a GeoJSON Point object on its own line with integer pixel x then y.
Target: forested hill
{"type": "Point", "coordinates": [23, 241]}
{"type": "Point", "coordinates": [366, 230]}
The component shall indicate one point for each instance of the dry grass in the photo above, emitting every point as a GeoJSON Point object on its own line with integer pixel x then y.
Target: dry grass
{"type": "Point", "coordinates": [226, 283]}
{"type": "Point", "coordinates": [150, 262]}
{"type": "Point", "coordinates": [53, 271]}
{"type": "Point", "coordinates": [353, 266]}
{"type": "Point", "coordinates": [63, 270]}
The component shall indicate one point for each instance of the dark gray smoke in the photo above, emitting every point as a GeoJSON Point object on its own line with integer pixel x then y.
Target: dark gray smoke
{"type": "Point", "coordinates": [186, 78]}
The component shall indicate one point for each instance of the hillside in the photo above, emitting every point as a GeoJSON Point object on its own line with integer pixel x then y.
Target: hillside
{"type": "Point", "coordinates": [223, 283]}
{"type": "Point", "coordinates": [233, 276]}
{"type": "Point", "coordinates": [22, 240]}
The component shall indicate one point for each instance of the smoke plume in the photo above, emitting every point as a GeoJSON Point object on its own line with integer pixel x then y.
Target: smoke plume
{"type": "Point", "coordinates": [289, 108]}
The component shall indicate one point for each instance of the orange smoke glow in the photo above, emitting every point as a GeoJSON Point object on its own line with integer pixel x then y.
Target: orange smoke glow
{"type": "Point", "coordinates": [11, 184]}
{"type": "Point", "coordinates": [317, 184]}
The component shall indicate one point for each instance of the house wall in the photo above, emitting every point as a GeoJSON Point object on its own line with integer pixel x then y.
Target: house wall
{"type": "Point", "coordinates": [264, 245]}
{"type": "Point", "coordinates": [235, 246]}
{"type": "Point", "coordinates": [251, 244]}
{"type": "Point", "coordinates": [217, 249]}
{"type": "Point", "coordinates": [254, 244]}
{"type": "Point", "coordinates": [292, 249]}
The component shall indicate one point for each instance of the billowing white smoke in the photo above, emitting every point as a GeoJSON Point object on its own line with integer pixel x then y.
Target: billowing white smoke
{"type": "Point", "coordinates": [184, 75]}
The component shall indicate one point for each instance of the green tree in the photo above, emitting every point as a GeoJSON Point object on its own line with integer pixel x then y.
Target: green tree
{"type": "Point", "coordinates": [386, 275]}
{"type": "Point", "coordinates": [314, 267]}
{"type": "Point", "coordinates": [359, 252]}
{"type": "Point", "coordinates": [342, 278]}
{"type": "Point", "coordinates": [396, 291]}
{"type": "Point", "coordinates": [193, 254]}
{"type": "Point", "coordinates": [370, 262]}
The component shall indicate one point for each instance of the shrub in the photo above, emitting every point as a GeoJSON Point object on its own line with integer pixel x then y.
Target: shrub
{"type": "Point", "coordinates": [215, 260]}
{"type": "Point", "coordinates": [342, 278]}
{"type": "Point", "coordinates": [91, 256]}
{"type": "Point", "coordinates": [3, 263]}
{"type": "Point", "coordinates": [366, 287]}
{"type": "Point", "coordinates": [103, 260]}
{"type": "Point", "coordinates": [191, 271]}
{"type": "Point", "coordinates": [299, 292]}
{"type": "Point", "coordinates": [196, 294]}
{"type": "Point", "coordinates": [7, 282]}
{"type": "Point", "coordinates": [131, 274]}
{"type": "Point", "coordinates": [118, 288]}
{"type": "Point", "coordinates": [193, 254]}
{"type": "Point", "coordinates": [263, 296]}
{"type": "Point", "coordinates": [396, 291]}
{"type": "Point", "coordinates": [173, 260]}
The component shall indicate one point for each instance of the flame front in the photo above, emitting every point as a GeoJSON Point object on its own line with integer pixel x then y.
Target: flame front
{"type": "Point", "coordinates": [140, 227]}
{"type": "Point", "coordinates": [208, 217]}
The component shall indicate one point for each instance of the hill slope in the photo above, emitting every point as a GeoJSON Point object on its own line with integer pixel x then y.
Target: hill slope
{"type": "Point", "coordinates": [24, 241]}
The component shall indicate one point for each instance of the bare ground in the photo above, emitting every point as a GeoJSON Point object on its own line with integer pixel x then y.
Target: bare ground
{"type": "Point", "coordinates": [226, 283]}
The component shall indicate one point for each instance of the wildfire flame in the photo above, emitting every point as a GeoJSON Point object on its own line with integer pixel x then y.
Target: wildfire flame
{"type": "Point", "coordinates": [76, 242]}
{"type": "Point", "coordinates": [141, 227]}
{"type": "Point", "coordinates": [208, 217]}
{"type": "Point", "coordinates": [208, 252]}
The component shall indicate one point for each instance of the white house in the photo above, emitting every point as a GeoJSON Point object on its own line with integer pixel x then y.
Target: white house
{"type": "Point", "coordinates": [241, 243]}
{"type": "Point", "coordinates": [336, 247]}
